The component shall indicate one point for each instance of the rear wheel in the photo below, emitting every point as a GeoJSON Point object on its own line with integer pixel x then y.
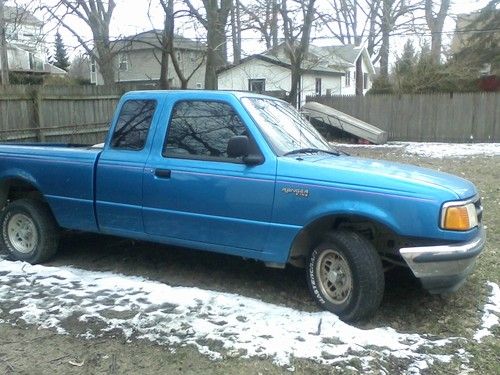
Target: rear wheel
{"type": "Point", "coordinates": [29, 231]}
{"type": "Point", "coordinates": [345, 275]}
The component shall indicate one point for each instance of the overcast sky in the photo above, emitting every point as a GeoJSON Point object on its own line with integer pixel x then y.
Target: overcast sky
{"type": "Point", "coordinates": [130, 17]}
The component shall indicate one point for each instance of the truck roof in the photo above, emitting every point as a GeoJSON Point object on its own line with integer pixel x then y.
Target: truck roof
{"type": "Point", "coordinates": [193, 94]}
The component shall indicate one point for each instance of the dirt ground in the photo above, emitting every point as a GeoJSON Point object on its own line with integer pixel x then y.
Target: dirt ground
{"type": "Point", "coordinates": [406, 307]}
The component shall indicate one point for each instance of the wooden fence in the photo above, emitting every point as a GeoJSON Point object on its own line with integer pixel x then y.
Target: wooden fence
{"type": "Point", "coordinates": [79, 114]}
{"type": "Point", "coordinates": [470, 117]}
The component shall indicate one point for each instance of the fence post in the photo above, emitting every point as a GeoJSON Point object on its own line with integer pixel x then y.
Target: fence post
{"type": "Point", "coordinates": [38, 116]}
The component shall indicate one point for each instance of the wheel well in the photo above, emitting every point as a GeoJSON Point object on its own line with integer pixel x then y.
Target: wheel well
{"type": "Point", "coordinates": [385, 241]}
{"type": "Point", "coordinates": [14, 189]}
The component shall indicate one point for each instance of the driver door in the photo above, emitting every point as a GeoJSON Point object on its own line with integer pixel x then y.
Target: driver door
{"type": "Point", "coordinates": [194, 192]}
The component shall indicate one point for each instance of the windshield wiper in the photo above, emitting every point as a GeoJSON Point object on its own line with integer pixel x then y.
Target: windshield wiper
{"type": "Point", "coordinates": [311, 150]}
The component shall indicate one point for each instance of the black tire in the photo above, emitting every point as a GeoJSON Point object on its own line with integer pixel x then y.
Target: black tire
{"type": "Point", "coordinates": [345, 275]}
{"type": "Point", "coordinates": [29, 231]}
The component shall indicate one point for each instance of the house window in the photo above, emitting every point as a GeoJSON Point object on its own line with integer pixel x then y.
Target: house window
{"type": "Point", "coordinates": [93, 71]}
{"type": "Point", "coordinates": [198, 85]}
{"type": "Point", "coordinates": [257, 85]}
{"type": "Point", "coordinates": [348, 78]}
{"type": "Point", "coordinates": [123, 66]}
{"type": "Point", "coordinates": [178, 55]}
{"type": "Point", "coordinates": [365, 81]}
{"type": "Point", "coordinates": [317, 89]}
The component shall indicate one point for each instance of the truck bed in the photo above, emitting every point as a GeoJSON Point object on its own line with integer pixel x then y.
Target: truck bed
{"type": "Point", "coordinates": [63, 173]}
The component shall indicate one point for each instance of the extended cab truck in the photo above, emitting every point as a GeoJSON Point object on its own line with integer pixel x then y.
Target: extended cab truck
{"type": "Point", "coordinates": [246, 175]}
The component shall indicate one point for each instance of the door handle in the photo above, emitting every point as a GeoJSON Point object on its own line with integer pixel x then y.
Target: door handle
{"type": "Point", "coordinates": [163, 173]}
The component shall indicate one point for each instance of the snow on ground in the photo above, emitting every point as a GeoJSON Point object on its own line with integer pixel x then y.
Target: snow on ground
{"type": "Point", "coordinates": [439, 150]}
{"type": "Point", "coordinates": [90, 304]}
{"type": "Point", "coordinates": [491, 313]}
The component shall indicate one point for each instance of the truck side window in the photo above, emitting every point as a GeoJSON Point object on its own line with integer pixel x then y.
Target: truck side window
{"type": "Point", "coordinates": [201, 130]}
{"type": "Point", "coordinates": [133, 124]}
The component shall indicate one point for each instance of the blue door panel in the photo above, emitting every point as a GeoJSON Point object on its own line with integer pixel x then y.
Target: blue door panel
{"type": "Point", "coordinates": [119, 190]}
{"type": "Point", "coordinates": [220, 203]}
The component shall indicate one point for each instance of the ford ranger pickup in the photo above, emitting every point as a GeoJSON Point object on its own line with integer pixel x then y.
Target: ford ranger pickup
{"type": "Point", "coordinates": [246, 175]}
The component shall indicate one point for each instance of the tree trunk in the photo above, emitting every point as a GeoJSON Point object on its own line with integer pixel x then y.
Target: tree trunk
{"type": "Point", "coordinates": [215, 21]}
{"type": "Point", "coordinates": [236, 31]}
{"type": "Point", "coordinates": [296, 74]}
{"type": "Point", "coordinates": [164, 83]}
{"type": "Point", "coordinates": [435, 24]}
{"type": "Point", "coordinates": [105, 60]}
{"type": "Point", "coordinates": [274, 23]}
{"type": "Point", "coordinates": [436, 45]}
{"type": "Point", "coordinates": [216, 52]}
{"type": "Point", "coordinates": [359, 76]}
{"type": "Point", "coordinates": [4, 59]}
{"type": "Point", "coordinates": [374, 8]}
{"type": "Point", "coordinates": [386, 30]}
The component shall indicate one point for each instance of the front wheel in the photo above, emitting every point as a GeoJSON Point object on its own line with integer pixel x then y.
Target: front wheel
{"type": "Point", "coordinates": [345, 275]}
{"type": "Point", "coordinates": [29, 231]}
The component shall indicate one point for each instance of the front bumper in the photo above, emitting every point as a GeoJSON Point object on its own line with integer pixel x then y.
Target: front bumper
{"type": "Point", "coordinates": [443, 268]}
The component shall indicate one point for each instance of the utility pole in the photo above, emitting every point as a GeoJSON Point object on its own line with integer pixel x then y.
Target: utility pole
{"type": "Point", "coordinates": [3, 47]}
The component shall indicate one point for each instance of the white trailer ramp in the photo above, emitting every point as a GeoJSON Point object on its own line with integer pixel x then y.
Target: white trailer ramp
{"type": "Point", "coordinates": [343, 121]}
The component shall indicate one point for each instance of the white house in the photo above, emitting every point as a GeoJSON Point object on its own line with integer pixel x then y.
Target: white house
{"type": "Point", "coordinates": [26, 48]}
{"type": "Point", "coordinates": [332, 70]}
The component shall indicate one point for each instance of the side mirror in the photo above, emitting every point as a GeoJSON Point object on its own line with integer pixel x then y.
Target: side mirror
{"type": "Point", "coordinates": [238, 146]}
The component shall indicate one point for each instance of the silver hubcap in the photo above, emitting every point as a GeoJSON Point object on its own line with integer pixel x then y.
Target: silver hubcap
{"type": "Point", "coordinates": [22, 233]}
{"type": "Point", "coordinates": [335, 276]}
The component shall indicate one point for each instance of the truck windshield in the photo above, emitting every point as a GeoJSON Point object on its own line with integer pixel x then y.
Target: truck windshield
{"type": "Point", "coordinates": [287, 130]}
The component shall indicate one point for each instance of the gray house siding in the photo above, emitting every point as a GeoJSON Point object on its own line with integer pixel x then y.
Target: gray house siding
{"type": "Point", "coordinates": [137, 60]}
{"type": "Point", "coordinates": [144, 66]}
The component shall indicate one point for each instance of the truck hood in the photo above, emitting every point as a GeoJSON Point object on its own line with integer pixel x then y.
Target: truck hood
{"type": "Point", "coordinates": [372, 174]}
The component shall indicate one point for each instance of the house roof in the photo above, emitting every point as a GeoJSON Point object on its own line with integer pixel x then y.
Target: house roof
{"type": "Point", "coordinates": [20, 16]}
{"type": "Point", "coordinates": [328, 60]}
{"type": "Point", "coordinates": [313, 61]}
{"type": "Point", "coordinates": [151, 39]}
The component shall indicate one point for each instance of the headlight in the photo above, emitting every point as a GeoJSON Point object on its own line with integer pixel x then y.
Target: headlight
{"type": "Point", "coordinates": [458, 216]}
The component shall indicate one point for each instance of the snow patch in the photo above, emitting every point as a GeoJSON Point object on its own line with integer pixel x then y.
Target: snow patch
{"type": "Point", "coordinates": [491, 313]}
{"type": "Point", "coordinates": [438, 150]}
{"type": "Point", "coordinates": [90, 304]}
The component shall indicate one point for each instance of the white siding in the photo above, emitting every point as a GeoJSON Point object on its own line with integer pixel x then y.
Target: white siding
{"type": "Point", "coordinates": [277, 78]}
{"type": "Point", "coordinates": [328, 82]}
{"type": "Point", "coordinates": [236, 78]}
{"type": "Point", "coordinates": [367, 70]}
{"type": "Point", "coordinates": [351, 89]}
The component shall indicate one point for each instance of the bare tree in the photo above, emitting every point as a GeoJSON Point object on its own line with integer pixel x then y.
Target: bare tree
{"type": "Point", "coordinates": [236, 30]}
{"type": "Point", "coordinates": [353, 20]}
{"type": "Point", "coordinates": [214, 20]}
{"type": "Point", "coordinates": [96, 14]}
{"type": "Point", "coordinates": [297, 33]}
{"type": "Point", "coordinates": [79, 67]}
{"type": "Point", "coordinates": [3, 47]}
{"type": "Point", "coordinates": [435, 22]}
{"type": "Point", "coordinates": [168, 50]}
{"type": "Point", "coordinates": [262, 16]}
{"type": "Point", "coordinates": [395, 15]}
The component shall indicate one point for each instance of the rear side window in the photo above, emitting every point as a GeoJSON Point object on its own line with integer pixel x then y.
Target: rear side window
{"type": "Point", "coordinates": [201, 130]}
{"type": "Point", "coordinates": [133, 124]}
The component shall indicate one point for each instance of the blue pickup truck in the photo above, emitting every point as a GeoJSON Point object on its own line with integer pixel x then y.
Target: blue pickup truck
{"type": "Point", "coordinates": [246, 175]}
